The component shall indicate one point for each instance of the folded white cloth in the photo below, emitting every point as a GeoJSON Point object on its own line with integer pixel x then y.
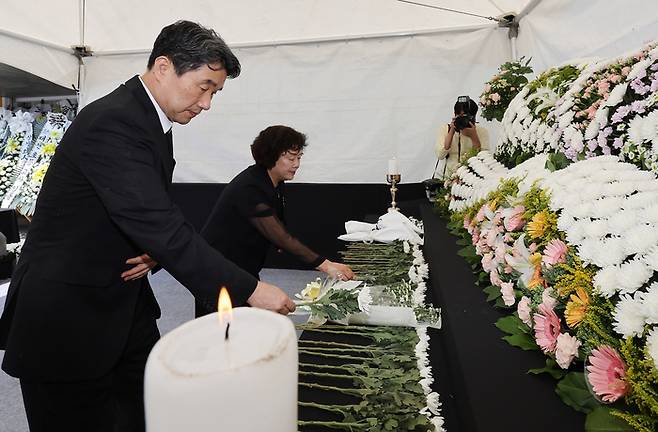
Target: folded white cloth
{"type": "Point", "coordinates": [390, 227]}
{"type": "Point", "coordinates": [355, 226]}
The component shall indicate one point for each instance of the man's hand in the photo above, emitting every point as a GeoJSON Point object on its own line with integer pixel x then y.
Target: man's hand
{"type": "Point", "coordinates": [336, 270]}
{"type": "Point", "coordinates": [271, 297]}
{"type": "Point", "coordinates": [143, 264]}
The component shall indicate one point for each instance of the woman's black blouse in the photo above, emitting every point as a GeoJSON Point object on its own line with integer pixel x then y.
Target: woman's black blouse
{"type": "Point", "coordinates": [248, 218]}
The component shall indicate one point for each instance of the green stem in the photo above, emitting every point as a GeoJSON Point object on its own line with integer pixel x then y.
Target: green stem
{"type": "Point", "coordinates": [330, 367]}
{"type": "Point", "coordinates": [327, 375]}
{"type": "Point", "coordinates": [332, 425]}
{"type": "Point", "coordinates": [342, 357]}
{"type": "Point", "coordinates": [331, 408]}
{"type": "Point", "coordinates": [347, 391]}
{"type": "Point", "coordinates": [337, 344]}
{"type": "Point", "coordinates": [316, 348]}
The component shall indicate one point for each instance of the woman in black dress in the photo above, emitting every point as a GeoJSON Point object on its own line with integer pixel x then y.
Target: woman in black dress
{"type": "Point", "coordinates": [248, 217]}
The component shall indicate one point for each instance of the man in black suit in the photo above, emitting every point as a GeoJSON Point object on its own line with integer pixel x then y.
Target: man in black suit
{"type": "Point", "coordinates": [79, 318]}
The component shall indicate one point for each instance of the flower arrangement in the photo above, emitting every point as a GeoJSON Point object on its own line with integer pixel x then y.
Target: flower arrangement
{"type": "Point", "coordinates": [529, 125]}
{"type": "Point", "coordinates": [584, 110]}
{"type": "Point", "coordinates": [500, 90]}
{"type": "Point", "coordinates": [394, 358]}
{"type": "Point", "coordinates": [19, 140]}
{"type": "Point", "coordinates": [572, 254]}
{"type": "Point", "coordinates": [23, 193]}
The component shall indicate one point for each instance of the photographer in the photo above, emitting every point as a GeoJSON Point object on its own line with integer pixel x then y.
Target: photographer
{"type": "Point", "coordinates": [459, 137]}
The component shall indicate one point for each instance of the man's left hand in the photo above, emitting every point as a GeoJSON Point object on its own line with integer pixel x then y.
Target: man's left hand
{"type": "Point", "coordinates": [143, 264]}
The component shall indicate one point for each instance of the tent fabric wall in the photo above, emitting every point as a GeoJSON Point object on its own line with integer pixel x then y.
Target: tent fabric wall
{"type": "Point", "coordinates": [556, 31]}
{"type": "Point", "coordinates": [55, 65]}
{"type": "Point", "coordinates": [360, 103]}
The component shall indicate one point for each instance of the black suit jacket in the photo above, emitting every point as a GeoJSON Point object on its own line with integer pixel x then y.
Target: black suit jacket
{"type": "Point", "coordinates": [104, 199]}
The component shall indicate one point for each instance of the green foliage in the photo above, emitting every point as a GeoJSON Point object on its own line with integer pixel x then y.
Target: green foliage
{"type": "Point", "coordinates": [574, 392]}
{"type": "Point", "coordinates": [382, 376]}
{"type": "Point", "coordinates": [503, 87]}
{"type": "Point", "coordinates": [519, 334]}
{"type": "Point", "coordinates": [601, 419]}
{"type": "Point", "coordinates": [551, 368]}
{"type": "Point", "coordinates": [557, 161]}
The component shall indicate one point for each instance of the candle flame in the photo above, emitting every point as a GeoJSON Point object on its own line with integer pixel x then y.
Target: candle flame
{"type": "Point", "coordinates": [224, 306]}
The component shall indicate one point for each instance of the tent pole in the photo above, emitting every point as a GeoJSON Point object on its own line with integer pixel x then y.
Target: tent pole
{"type": "Point", "coordinates": [347, 38]}
{"type": "Point", "coordinates": [527, 9]}
{"type": "Point", "coordinates": [515, 53]}
{"type": "Point", "coordinates": [36, 41]}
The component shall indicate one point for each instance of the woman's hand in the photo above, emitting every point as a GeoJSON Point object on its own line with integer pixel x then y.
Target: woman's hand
{"type": "Point", "coordinates": [447, 142]}
{"type": "Point", "coordinates": [472, 133]}
{"type": "Point", "coordinates": [336, 270]}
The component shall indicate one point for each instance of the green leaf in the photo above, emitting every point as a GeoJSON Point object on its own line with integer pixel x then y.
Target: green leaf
{"type": "Point", "coordinates": [601, 420]}
{"type": "Point", "coordinates": [551, 368]}
{"type": "Point", "coordinates": [467, 252]}
{"type": "Point", "coordinates": [509, 324]}
{"type": "Point", "coordinates": [493, 292]}
{"type": "Point", "coordinates": [573, 391]}
{"type": "Point", "coordinates": [522, 340]}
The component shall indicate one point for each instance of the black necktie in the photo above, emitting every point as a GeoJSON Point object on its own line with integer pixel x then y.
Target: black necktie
{"type": "Point", "coordinates": [170, 154]}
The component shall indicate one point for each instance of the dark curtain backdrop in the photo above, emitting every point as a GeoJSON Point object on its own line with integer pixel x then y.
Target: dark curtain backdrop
{"type": "Point", "coordinates": [315, 213]}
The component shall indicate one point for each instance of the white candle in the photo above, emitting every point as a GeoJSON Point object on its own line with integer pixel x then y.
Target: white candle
{"type": "Point", "coordinates": [393, 166]}
{"type": "Point", "coordinates": [196, 381]}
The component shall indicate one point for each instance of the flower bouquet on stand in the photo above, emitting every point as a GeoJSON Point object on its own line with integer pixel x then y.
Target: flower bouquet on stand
{"type": "Point", "coordinates": [503, 87]}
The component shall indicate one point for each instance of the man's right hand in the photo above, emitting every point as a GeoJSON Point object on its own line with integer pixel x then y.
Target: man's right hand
{"type": "Point", "coordinates": [271, 297]}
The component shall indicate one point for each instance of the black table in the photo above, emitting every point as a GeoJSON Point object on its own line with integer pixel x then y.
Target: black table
{"type": "Point", "coordinates": [483, 377]}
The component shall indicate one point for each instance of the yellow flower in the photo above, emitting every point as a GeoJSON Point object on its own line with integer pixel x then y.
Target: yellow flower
{"type": "Point", "coordinates": [12, 145]}
{"type": "Point", "coordinates": [39, 174]}
{"type": "Point", "coordinates": [577, 307]}
{"type": "Point", "coordinates": [537, 226]}
{"type": "Point", "coordinates": [49, 149]}
{"type": "Point", "coordinates": [312, 290]}
{"type": "Point", "coordinates": [494, 203]}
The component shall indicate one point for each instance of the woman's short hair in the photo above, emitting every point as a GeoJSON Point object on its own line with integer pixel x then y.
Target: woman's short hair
{"type": "Point", "coordinates": [469, 107]}
{"type": "Point", "coordinates": [272, 142]}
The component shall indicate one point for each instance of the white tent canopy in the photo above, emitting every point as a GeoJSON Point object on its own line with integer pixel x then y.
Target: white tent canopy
{"type": "Point", "coordinates": [366, 80]}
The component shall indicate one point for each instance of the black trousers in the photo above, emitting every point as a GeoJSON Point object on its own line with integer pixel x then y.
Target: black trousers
{"type": "Point", "coordinates": [112, 403]}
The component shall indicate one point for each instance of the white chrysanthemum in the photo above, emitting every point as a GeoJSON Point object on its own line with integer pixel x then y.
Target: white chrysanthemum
{"type": "Point", "coordinates": [632, 275]}
{"type": "Point", "coordinates": [640, 200]}
{"type": "Point", "coordinates": [638, 68]}
{"type": "Point", "coordinates": [566, 119]}
{"type": "Point", "coordinates": [629, 320]}
{"type": "Point", "coordinates": [608, 206]}
{"type": "Point", "coordinates": [651, 258]}
{"type": "Point", "coordinates": [640, 239]}
{"type": "Point", "coordinates": [592, 129]}
{"type": "Point", "coordinates": [598, 228]}
{"type": "Point", "coordinates": [622, 221]}
{"type": "Point", "coordinates": [565, 221]}
{"type": "Point", "coordinates": [647, 185]}
{"type": "Point", "coordinates": [649, 214]}
{"type": "Point", "coordinates": [652, 345]}
{"type": "Point", "coordinates": [650, 304]}
{"type": "Point", "coordinates": [616, 95]}
{"type": "Point", "coordinates": [608, 252]}
{"type": "Point", "coordinates": [583, 210]}
{"type": "Point", "coordinates": [605, 281]}
{"type": "Point", "coordinates": [635, 130]}
{"type": "Point", "coordinates": [587, 249]}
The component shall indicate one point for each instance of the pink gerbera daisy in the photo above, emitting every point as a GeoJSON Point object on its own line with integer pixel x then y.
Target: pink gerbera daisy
{"type": "Point", "coordinates": [606, 373]}
{"type": "Point", "coordinates": [547, 328]}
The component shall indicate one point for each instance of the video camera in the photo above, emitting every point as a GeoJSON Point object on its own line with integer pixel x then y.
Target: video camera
{"type": "Point", "coordinates": [469, 109]}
